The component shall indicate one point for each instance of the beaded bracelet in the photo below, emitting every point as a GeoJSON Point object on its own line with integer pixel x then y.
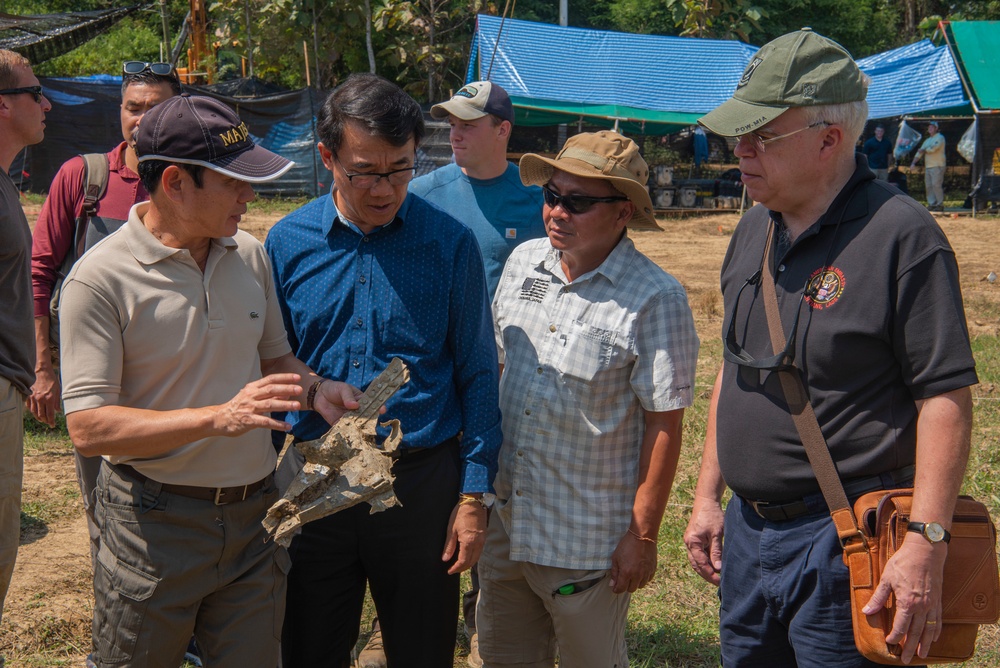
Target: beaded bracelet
{"type": "Point", "coordinates": [311, 396]}
{"type": "Point", "coordinates": [642, 538]}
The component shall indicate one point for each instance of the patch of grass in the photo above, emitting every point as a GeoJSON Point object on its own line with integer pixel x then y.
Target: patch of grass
{"type": "Point", "coordinates": [41, 439]}
{"type": "Point", "coordinates": [36, 199]}
{"type": "Point", "coordinates": [29, 522]}
{"type": "Point", "coordinates": [276, 206]}
{"type": "Point", "coordinates": [49, 642]}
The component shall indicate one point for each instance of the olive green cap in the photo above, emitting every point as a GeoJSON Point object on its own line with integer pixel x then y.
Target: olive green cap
{"type": "Point", "coordinates": [800, 69]}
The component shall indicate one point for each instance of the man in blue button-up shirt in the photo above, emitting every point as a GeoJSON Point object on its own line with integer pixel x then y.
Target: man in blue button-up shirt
{"type": "Point", "coordinates": [364, 275]}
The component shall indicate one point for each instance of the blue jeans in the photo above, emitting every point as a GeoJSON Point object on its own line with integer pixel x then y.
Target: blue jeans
{"type": "Point", "coordinates": [785, 592]}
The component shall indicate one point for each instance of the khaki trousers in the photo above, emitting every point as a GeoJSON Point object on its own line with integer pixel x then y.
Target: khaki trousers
{"type": "Point", "coordinates": [522, 618]}
{"type": "Point", "coordinates": [170, 566]}
{"type": "Point", "coordinates": [11, 475]}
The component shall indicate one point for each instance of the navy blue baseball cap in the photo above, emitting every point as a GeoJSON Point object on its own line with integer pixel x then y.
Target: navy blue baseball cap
{"type": "Point", "coordinates": [200, 130]}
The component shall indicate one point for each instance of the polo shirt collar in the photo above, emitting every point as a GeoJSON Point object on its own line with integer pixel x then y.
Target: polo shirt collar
{"type": "Point", "coordinates": [116, 162]}
{"type": "Point", "coordinates": [845, 205]}
{"type": "Point", "coordinates": [332, 217]}
{"type": "Point", "coordinates": [146, 248]}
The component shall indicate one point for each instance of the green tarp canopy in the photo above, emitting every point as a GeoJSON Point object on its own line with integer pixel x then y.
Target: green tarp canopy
{"type": "Point", "coordinates": [631, 120]}
{"type": "Point", "coordinates": [976, 47]}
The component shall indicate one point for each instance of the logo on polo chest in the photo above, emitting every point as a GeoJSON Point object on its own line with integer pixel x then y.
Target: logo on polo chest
{"type": "Point", "coordinates": [825, 287]}
{"type": "Point", "coordinates": [234, 135]}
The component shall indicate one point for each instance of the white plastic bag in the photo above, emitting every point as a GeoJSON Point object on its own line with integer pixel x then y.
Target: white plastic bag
{"type": "Point", "coordinates": [906, 141]}
{"type": "Point", "coordinates": [967, 144]}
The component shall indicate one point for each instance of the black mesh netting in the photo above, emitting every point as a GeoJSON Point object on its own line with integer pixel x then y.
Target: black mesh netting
{"type": "Point", "coordinates": [43, 37]}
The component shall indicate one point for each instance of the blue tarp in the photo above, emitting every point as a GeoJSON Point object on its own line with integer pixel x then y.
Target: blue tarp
{"type": "Point", "coordinates": [601, 74]}
{"type": "Point", "coordinates": [915, 79]}
{"type": "Point", "coordinates": [658, 84]}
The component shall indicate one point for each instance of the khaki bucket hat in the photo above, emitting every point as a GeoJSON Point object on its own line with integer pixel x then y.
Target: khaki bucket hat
{"type": "Point", "coordinates": [599, 155]}
{"type": "Point", "coordinates": [800, 69]}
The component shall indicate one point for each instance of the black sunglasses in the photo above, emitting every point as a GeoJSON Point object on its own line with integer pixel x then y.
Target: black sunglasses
{"type": "Point", "coordinates": [138, 67]}
{"type": "Point", "coordinates": [576, 203]}
{"type": "Point", "coordinates": [35, 91]}
{"type": "Point", "coordinates": [733, 352]}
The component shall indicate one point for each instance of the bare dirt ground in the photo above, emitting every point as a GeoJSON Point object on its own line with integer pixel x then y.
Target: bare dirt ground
{"type": "Point", "coordinates": [47, 614]}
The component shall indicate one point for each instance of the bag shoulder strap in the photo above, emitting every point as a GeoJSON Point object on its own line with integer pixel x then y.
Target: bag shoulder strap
{"type": "Point", "coordinates": [802, 412]}
{"type": "Point", "coordinates": [95, 180]}
{"type": "Point", "coordinates": [94, 184]}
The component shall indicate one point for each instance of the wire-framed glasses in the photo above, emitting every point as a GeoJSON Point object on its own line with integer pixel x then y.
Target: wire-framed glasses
{"type": "Point", "coordinates": [368, 180]}
{"type": "Point", "coordinates": [758, 143]}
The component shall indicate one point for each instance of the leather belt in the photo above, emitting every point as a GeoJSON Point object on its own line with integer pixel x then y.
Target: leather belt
{"type": "Point", "coordinates": [219, 495]}
{"type": "Point", "coordinates": [777, 512]}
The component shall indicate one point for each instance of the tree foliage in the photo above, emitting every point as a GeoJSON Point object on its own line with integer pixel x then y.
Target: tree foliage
{"type": "Point", "coordinates": [424, 44]}
{"type": "Point", "coordinates": [428, 42]}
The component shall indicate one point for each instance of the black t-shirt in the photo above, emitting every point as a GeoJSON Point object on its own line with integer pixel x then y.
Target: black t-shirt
{"type": "Point", "coordinates": [882, 327]}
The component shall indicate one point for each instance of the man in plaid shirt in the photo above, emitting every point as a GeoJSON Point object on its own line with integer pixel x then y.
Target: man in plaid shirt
{"type": "Point", "coordinates": [598, 350]}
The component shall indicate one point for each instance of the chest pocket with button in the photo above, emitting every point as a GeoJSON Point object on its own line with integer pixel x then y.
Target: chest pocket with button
{"type": "Point", "coordinates": [587, 351]}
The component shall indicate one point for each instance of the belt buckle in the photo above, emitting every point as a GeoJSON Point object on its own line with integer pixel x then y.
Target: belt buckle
{"type": "Point", "coordinates": [218, 496]}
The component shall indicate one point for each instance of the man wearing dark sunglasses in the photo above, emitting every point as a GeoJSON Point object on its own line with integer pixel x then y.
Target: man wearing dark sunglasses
{"type": "Point", "coordinates": [364, 274]}
{"type": "Point", "coordinates": [483, 190]}
{"type": "Point", "coordinates": [22, 123]}
{"type": "Point", "coordinates": [870, 306]}
{"type": "Point", "coordinates": [598, 352]}
{"type": "Point", "coordinates": [57, 241]}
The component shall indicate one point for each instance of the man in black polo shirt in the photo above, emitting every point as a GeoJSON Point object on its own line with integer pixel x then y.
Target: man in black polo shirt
{"type": "Point", "coordinates": [867, 287]}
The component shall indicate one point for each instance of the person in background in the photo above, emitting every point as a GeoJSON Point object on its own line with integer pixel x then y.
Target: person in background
{"type": "Point", "coordinates": [868, 294]}
{"type": "Point", "coordinates": [700, 141]}
{"type": "Point", "coordinates": [481, 189]}
{"type": "Point", "coordinates": [598, 352]}
{"type": "Point", "coordinates": [144, 85]}
{"type": "Point", "coordinates": [878, 149]}
{"type": "Point", "coordinates": [933, 153]}
{"type": "Point", "coordinates": [365, 274]}
{"type": "Point", "coordinates": [22, 123]}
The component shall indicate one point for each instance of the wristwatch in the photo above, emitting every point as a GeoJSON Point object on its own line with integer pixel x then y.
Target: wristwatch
{"type": "Point", "coordinates": [932, 531]}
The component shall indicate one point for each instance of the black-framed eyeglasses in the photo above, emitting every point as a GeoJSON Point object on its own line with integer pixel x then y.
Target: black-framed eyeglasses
{"type": "Point", "coordinates": [733, 352]}
{"type": "Point", "coordinates": [133, 67]}
{"type": "Point", "coordinates": [576, 203]}
{"type": "Point", "coordinates": [35, 91]}
{"type": "Point", "coordinates": [368, 180]}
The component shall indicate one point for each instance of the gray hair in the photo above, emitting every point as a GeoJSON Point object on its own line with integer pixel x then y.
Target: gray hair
{"type": "Point", "coordinates": [851, 116]}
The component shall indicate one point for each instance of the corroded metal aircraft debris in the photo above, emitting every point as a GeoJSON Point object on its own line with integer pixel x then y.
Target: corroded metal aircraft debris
{"type": "Point", "coordinates": [345, 467]}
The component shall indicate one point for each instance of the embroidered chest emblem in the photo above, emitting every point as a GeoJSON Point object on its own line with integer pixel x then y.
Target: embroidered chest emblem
{"type": "Point", "coordinates": [533, 290]}
{"type": "Point", "coordinates": [825, 287]}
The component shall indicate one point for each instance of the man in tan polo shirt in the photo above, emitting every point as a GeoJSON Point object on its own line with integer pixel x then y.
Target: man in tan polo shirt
{"type": "Point", "coordinates": [174, 356]}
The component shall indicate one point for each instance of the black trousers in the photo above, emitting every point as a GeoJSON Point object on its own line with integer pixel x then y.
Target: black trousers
{"type": "Point", "coordinates": [398, 554]}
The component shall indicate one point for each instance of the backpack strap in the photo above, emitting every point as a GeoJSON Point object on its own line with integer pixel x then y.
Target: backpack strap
{"type": "Point", "coordinates": [95, 184]}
